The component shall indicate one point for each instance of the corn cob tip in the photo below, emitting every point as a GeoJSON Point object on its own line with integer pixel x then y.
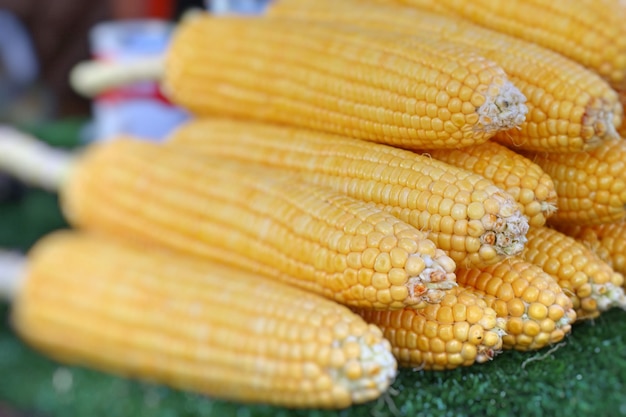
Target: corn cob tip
{"type": "Point", "coordinates": [598, 123]}
{"type": "Point", "coordinates": [486, 351]}
{"type": "Point", "coordinates": [505, 233]}
{"type": "Point", "coordinates": [504, 108]}
{"type": "Point", "coordinates": [371, 373]}
{"type": "Point", "coordinates": [608, 295]}
{"type": "Point", "coordinates": [431, 284]}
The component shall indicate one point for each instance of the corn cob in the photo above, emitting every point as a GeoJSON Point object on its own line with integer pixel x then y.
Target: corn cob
{"type": "Point", "coordinates": [459, 330]}
{"type": "Point", "coordinates": [590, 185]}
{"type": "Point", "coordinates": [308, 236]}
{"type": "Point", "coordinates": [608, 241]}
{"type": "Point", "coordinates": [588, 31]}
{"type": "Point", "coordinates": [570, 108]}
{"type": "Point", "coordinates": [465, 214]}
{"type": "Point", "coordinates": [401, 90]}
{"type": "Point", "coordinates": [524, 180]}
{"type": "Point", "coordinates": [591, 283]}
{"type": "Point", "coordinates": [156, 315]}
{"type": "Point", "coordinates": [534, 308]}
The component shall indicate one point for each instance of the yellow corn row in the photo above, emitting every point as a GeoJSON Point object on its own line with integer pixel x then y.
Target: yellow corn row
{"type": "Point", "coordinates": [466, 215]}
{"type": "Point", "coordinates": [199, 326]}
{"type": "Point", "coordinates": [590, 282]}
{"type": "Point", "coordinates": [524, 180]}
{"type": "Point", "coordinates": [608, 241]}
{"type": "Point", "coordinates": [588, 31]}
{"type": "Point", "coordinates": [381, 86]}
{"type": "Point", "coordinates": [534, 307]}
{"type": "Point", "coordinates": [590, 185]}
{"type": "Point", "coordinates": [459, 330]}
{"type": "Point", "coordinates": [308, 236]}
{"type": "Point", "coordinates": [570, 108]}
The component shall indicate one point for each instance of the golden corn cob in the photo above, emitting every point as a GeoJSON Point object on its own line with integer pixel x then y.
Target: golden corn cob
{"type": "Point", "coordinates": [570, 108]}
{"type": "Point", "coordinates": [381, 86]}
{"type": "Point", "coordinates": [590, 185]}
{"type": "Point", "coordinates": [588, 31]}
{"type": "Point", "coordinates": [591, 283]}
{"type": "Point", "coordinates": [459, 330]}
{"type": "Point", "coordinates": [608, 241]}
{"type": "Point", "coordinates": [199, 326]}
{"type": "Point", "coordinates": [466, 215]}
{"type": "Point", "coordinates": [308, 236]}
{"type": "Point", "coordinates": [524, 180]}
{"type": "Point", "coordinates": [534, 307]}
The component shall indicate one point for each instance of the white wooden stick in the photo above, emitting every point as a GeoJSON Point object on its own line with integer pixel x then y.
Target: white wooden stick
{"type": "Point", "coordinates": [33, 161]}
{"type": "Point", "coordinates": [12, 266]}
{"type": "Point", "coordinates": [90, 78]}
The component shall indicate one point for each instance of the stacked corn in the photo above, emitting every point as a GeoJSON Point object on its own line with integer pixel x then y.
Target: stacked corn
{"type": "Point", "coordinates": [415, 167]}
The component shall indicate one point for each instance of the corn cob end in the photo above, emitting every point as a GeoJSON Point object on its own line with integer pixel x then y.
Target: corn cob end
{"type": "Point", "coordinates": [505, 232]}
{"type": "Point", "coordinates": [504, 107]}
{"type": "Point", "coordinates": [369, 374]}
{"type": "Point", "coordinates": [431, 284]}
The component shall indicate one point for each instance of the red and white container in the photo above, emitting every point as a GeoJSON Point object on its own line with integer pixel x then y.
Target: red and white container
{"type": "Point", "coordinates": [138, 109]}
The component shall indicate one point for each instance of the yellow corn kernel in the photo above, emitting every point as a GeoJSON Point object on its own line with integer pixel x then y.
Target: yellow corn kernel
{"type": "Point", "coordinates": [459, 330]}
{"type": "Point", "coordinates": [220, 209]}
{"type": "Point", "coordinates": [581, 273]}
{"type": "Point", "coordinates": [590, 32]}
{"type": "Point", "coordinates": [146, 313]}
{"type": "Point", "coordinates": [374, 85]}
{"type": "Point", "coordinates": [607, 241]}
{"type": "Point", "coordinates": [524, 180]}
{"type": "Point", "coordinates": [570, 108]}
{"type": "Point", "coordinates": [465, 214]}
{"type": "Point", "coordinates": [524, 298]}
{"type": "Point", "coordinates": [590, 185]}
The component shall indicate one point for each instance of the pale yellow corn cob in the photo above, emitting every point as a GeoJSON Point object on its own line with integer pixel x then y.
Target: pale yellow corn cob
{"type": "Point", "coordinates": [459, 330]}
{"type": "Point", "coordinates": [199, 326]}
{"type": "Point", "coordinates": [381, 86]}
{"type": "Point", "coordinates": [308, 236]}
{"type": "Point", "coordinates": [533, 306]}
{"type": "Point", "coordinates": [466, 215]}
{"type": "Point", "coordinates": [591, 32]}
{"type": "Point", "coordinates": [570, 108]}
{"type": "Point", "coordinates": [590, 185]}
{"type": "Point", "coordinates": [591, 283]}
{"type": "Point", "coordinates": [608, 241]}
{"type": "Point", "coordinates": [524, 180]}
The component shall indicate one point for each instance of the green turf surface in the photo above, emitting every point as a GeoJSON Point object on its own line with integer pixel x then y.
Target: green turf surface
{"type": "Point", "coordinates": [584, 376]}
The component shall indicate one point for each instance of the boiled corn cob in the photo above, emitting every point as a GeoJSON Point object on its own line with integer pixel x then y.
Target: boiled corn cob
{"type": "Point", "coordinates": [308, 236]}
{"type": "Point", "coordinates": [535, 310]}
{"type": "Point", "coordinates": [524, 180]}
{"type": "Point", "coordinates": [590, 282]}
{"type": "Point", "coordinates": [570, 108]}
{"type": "Point", "coordinates": [608, 241]}
{"type": "Point", "coordinates": [590, 185]}
{"type": "Point", "coordinates": [588, 31]}
{"type": "Point", "coordinates": [465, 214]}
{"type": "Point", "coordinates": [459, 330]}
{"type": "Point", "coordinates": [381, 86]}
{"type": "Point", "coordinates": [199, 326]}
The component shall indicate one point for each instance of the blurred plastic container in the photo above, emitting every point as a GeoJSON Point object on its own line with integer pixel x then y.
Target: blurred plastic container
{"type": "Point", "coordinates": [236, 6]}
{"type": "Point", "coordinates": [138, 109]}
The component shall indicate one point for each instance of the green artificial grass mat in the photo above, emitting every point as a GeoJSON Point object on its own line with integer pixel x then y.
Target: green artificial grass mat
{"type": "Point", "coordinates": [585, 375]}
